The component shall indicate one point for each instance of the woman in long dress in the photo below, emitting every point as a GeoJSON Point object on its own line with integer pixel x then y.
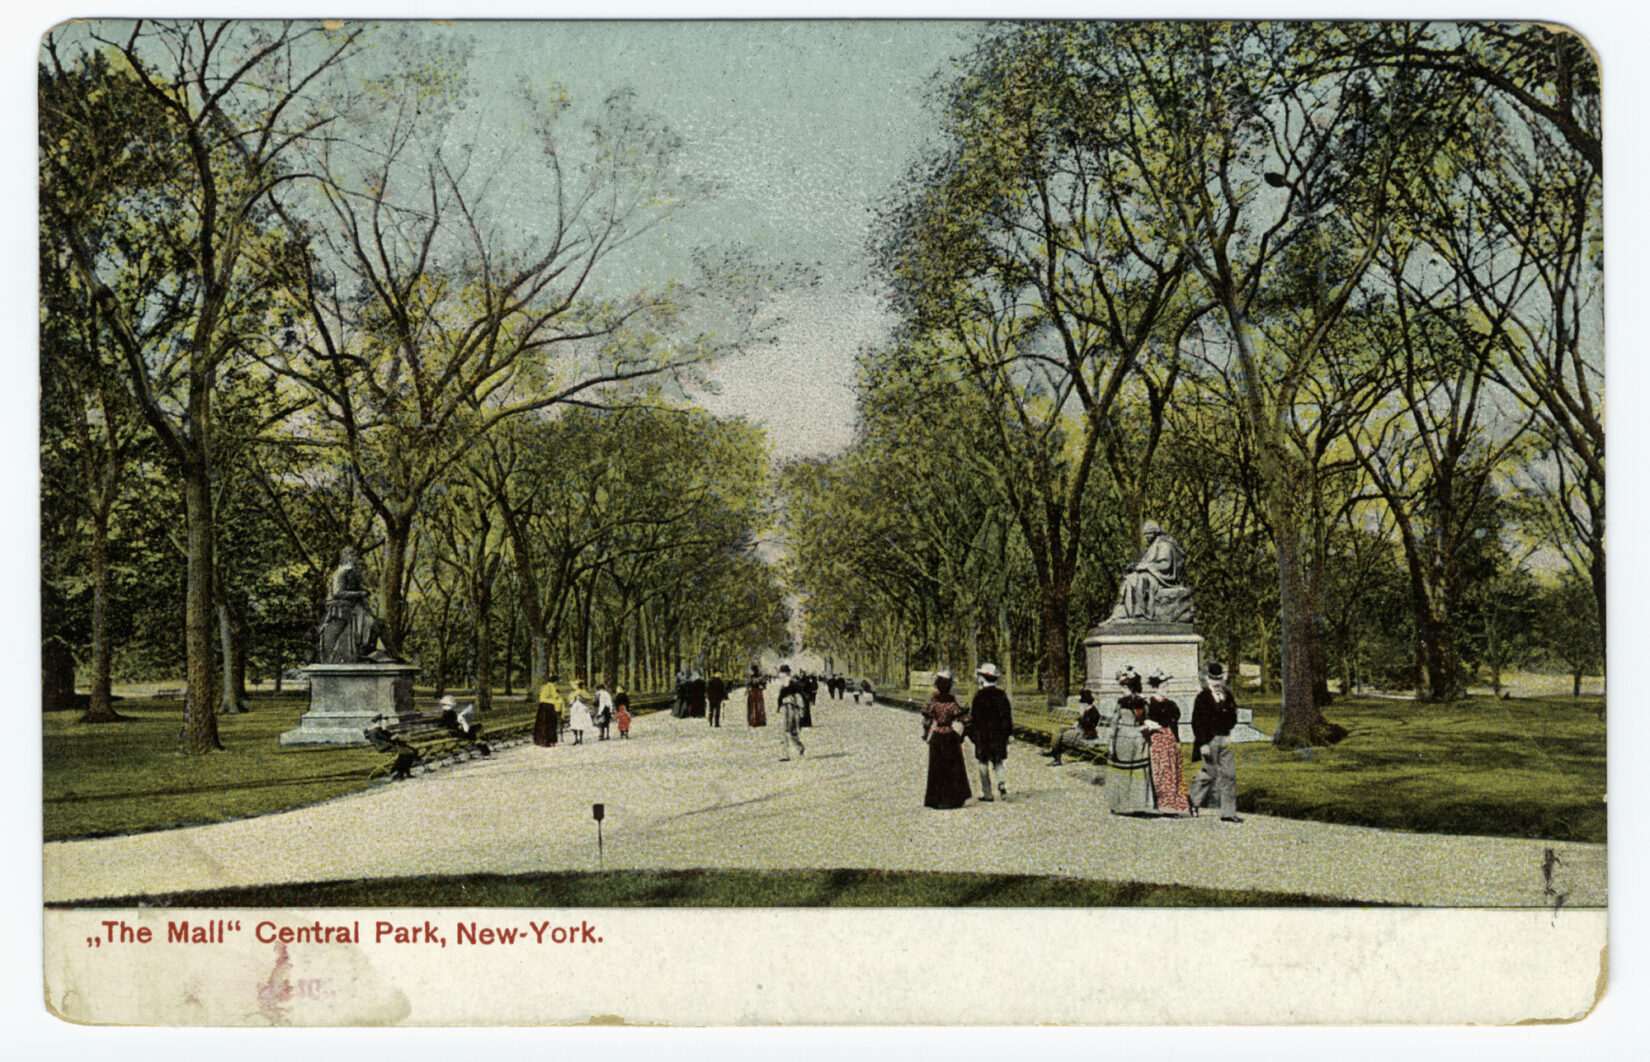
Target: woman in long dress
{"type": "Point", "coordinates": [756, 713]}
{"type": "Point", "coordinates": [1128, 775]}
{"type": "Point", "coordinates": [547, 724]}
{"type": "Point", "coordinates": [947, 775]}
{"type": "Point", "coordinates": [1163, 749]}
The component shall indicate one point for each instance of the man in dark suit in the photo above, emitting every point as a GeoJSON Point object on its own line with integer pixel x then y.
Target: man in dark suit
{"type": "Point", "coordinates": [715, 694]}
{"type": "Point", "coordinates": [1214, 714]}
{"type": "Point", "coordinates": [989, 723]}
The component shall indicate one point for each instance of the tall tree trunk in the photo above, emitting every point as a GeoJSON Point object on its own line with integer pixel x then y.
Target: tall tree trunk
{"type": "Point", "coordinates": [397, 537]}
{"type": "Point", "coordinates": [484, 643]}
{"type": "Point", "coordinates": [200, 716]}
{"type": "Point", "coordinates": [232, 643]}
{"type": "Point", "coordinates": [101, 709]}
{"type": "Point", "coordinates": [1596, 569]}
{"type": "Point", "coordinates": [1055, 611]}
{"type": "Point", "coordinates": [1300, 719]}
{"type": "Point", "coordinates": [509, 654]}
{"type": "Point", "coordinates": [539, 640]}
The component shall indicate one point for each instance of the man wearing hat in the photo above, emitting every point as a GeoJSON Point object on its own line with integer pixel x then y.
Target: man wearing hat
{"type": "Point", "coordinates": [1085, 735]}
{"type": "Point", "coordinates": [988, 725]}
{"type": "Point", "coordinates": [1214, 714]}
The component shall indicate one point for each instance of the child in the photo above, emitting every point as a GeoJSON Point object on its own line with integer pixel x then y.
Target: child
{"type": "Point", "coordinates": [621, 711]}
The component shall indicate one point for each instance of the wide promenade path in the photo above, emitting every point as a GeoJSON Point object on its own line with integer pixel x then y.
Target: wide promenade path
{"type": "Point", "coordinates": [679, 794]}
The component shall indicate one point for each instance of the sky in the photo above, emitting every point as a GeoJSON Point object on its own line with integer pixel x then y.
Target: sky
{"type": "Point", "coordinates": [805, 127]}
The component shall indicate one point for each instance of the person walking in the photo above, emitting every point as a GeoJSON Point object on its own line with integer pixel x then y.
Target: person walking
{"type": "Point", "coordinates": [990, 721]}
{"type": "Point", "coordinates": [547, 724]}
{"type": "Point", "coordinates": [1128, 775]}
{"type": "Point", "coordinates": [756, 713]}
{"type": "Point", "coordinates": [1162, 731]}
{"type": "Point", "coordinates": [810, 691]}
{"type": "Point", "coordinates": [696, 695]}
{"type": "Point", "coordinates": [947, 774]}
{"type": "Point", "coordinates": [1085, 735]}
{"type": "Point", "coordinates": [1214, 715]}
{"type": "Point", "coordinates": [578, 713]}
{"type": "Point", "coordinates": [790, 715]}
{"type": "Point", "coordinates": [604, 710]}
{"type": "Point", "coordinates": [715, 694]}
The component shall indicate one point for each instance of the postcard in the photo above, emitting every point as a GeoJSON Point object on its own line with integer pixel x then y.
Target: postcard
{"type": "Point", "coordinates": [540, 517]}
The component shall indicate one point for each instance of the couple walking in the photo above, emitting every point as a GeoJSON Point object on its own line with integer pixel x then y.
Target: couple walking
{"type": "Point", "coordinates": [987, 723]}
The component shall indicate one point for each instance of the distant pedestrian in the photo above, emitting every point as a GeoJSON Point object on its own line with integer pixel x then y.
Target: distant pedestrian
{"type": "Point", "coordinates": [989, 724]}
{"type": "Point", "coordinates": [696, 695]}
{"type": "Point", "coordinates": [1085, 735]}
{"type": "Point", "coordinates": [621, 711]}
{"type": "Point", "coordinates": [1128, 773]}
{"type": "Point", "coordinates": [604, 710]}
{"type": "Point", "coordinates": [790, 715]}
{"type": "Point", "coordinates": [755, 711]}
{"type": "Point", "coordinates": [715, 694]}
{"type": "Point", "coordinates": [1163, 748]}
{"type": "Point", "coordinates": [867, 690]}
{"type": "Point", "coordinates": [578, 713]}
{"type": "Point", "coordinates": [810, 691]}
{"type": "Point", "coordinates": [1214, 715]}
{"type": "Point", "coordinates": [547, 725]}
{"type": "Point", "coordinates": [947, 774]}
{"type": "Point", "coordinates": [679, 704]}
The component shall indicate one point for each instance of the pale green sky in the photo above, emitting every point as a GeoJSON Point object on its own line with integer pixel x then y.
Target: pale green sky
{"type": "Point", "coordinates": [805, 125]}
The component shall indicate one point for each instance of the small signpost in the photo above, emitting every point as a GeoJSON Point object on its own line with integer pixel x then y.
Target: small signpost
{"type": "Point", "coordinates": [599, 812]}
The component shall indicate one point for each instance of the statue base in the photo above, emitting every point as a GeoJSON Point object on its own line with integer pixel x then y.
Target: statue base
{"type": "Point", "coordinates": [346, 699]}
{"type": "Point", "coordinates": [1176, 648]}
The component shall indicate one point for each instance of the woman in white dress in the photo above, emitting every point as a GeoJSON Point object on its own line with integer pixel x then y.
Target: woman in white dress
{"type": "Point", "coordinates": [578, 714]}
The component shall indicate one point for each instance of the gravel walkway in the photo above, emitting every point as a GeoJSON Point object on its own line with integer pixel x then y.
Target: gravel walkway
{"type": "Point", "coordinates": [681, 795]}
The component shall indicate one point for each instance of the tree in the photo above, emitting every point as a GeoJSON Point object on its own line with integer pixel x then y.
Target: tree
{"type": "Point", "coordinates": [227, 101]}
{"type": "Point", "coordinates": [89, 428]}
{"type": "Point", "coordinates": [1022, 256]}
{"type": "Point", "coordinates": [428, 319]}
{"type": "Point", "coordinates": [1280, 181]}
{"type": "Point", "coordinates": [1518, 222]}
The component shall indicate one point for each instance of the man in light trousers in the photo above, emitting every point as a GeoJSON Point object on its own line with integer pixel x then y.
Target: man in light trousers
{"type": "Point", "coordinates": [1214, 714]}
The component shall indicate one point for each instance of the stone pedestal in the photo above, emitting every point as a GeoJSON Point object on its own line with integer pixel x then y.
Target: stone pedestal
{"type": "Point", "coordinates": [345, 698]}
{"type": "Point", "coordinates": [1176, 648]}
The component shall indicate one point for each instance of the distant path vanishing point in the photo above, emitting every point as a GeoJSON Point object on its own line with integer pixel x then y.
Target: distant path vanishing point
{"type": "Point", "coordinates": [681, 795]}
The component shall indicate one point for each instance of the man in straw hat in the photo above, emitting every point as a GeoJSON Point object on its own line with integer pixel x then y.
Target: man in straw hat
{"type": "Point", "coordinates": [990, 722]}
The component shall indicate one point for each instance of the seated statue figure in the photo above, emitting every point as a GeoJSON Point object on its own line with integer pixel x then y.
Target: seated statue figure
{"type": "Point", "coordinates": [350, 631]}
{"type": "Point", "coordinates": [1154, 587]}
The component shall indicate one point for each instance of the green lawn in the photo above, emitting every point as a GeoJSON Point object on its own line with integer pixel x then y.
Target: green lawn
{"type": "Point", "coordinates": [728, 888]}
{"type": "Point", "coordinates": [112, 778]}
{"type": "Point", "coordinates": [1516, 768]}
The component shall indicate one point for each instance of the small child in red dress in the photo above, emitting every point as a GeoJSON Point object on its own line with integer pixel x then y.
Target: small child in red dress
{"type": "Point", "coordinates": [621, 711]}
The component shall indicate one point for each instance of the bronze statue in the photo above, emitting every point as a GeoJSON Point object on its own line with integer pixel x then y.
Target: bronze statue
{"type": "Point", "coordinates": [350, 630]}
{"type": "Point", "coordinates": [1154, 587]}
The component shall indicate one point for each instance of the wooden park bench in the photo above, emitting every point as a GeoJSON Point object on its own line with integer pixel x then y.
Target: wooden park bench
{"type": "Point", "coordinates": [422, 738]}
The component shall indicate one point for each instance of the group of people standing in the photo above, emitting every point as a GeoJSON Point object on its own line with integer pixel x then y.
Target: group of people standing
{"type": "Point", "coordinates": [1143, 768]}
{"type": "Point", "coordinates": [1143, 760]}
{"type": "Point", "coordinates": [583, 712]}
{"type": "Point", "coordinates": [699, 698]}
{"type": "Point", "coordinates": [987, 723]}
